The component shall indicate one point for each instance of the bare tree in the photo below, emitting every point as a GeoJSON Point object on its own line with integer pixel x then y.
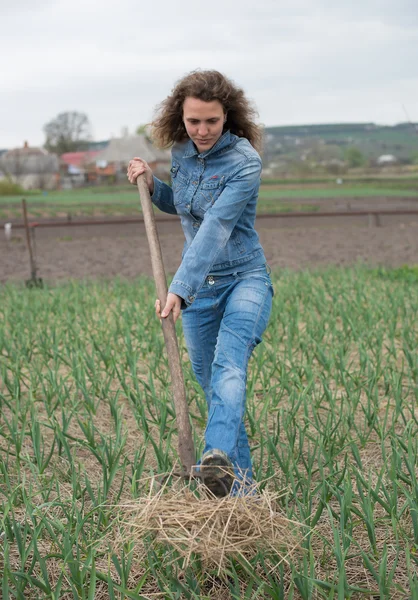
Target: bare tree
{"type": "Point", "coordinates": [68, 132]}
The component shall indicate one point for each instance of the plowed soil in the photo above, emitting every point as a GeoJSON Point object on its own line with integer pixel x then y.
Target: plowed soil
{"type": "Point", "coordinates": [294, 243]}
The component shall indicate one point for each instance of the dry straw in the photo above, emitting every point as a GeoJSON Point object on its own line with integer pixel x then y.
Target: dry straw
{"type": "Point", "coordinates": [188, 518]}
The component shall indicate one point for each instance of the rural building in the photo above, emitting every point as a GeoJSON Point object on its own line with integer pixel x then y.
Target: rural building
{"type": "Point", "coordinates": [114, 159]}
{"type": "Point", "coordinates": [75, 167]}
{"type": "Point", "coordinates": [387, 159]}
{"type": "Point", "coordinates": [80, 160]}
{"type": "Point", "coordinates": [31, 167]}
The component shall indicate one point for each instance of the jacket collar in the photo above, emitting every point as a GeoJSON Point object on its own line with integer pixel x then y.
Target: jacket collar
{"type": "Point", "coordinates": [225, 139]}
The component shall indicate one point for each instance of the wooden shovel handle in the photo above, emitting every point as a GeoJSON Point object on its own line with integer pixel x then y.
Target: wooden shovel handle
{"type": "Point", "coordinates": [185, 439]}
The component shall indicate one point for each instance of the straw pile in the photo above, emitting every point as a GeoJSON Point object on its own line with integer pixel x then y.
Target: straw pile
{"type": "Point", "coordinates": [194, 522]}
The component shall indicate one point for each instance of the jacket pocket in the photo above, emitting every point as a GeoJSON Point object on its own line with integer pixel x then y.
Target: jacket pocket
{"type": "Point", "coordinates": [179, 182]}
{"type": "Point", "coordinates": [207, 193]}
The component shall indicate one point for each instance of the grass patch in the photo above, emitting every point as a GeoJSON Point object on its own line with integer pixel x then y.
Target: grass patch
{"type": "Point", "coordinates": [9, 188]}
{"type": "Point", "coordinates": [390, 181]}
{"type": "Point", "coordinates": [405, 273]}
{"type": "Point", "coordinates": [336, 192]}
{"type": "Point", "coordinates": [123, 201]}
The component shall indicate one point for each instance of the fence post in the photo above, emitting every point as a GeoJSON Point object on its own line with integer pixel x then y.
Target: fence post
{"type": "Point", "coordinates": [374, 220]}
{"type": "Point", "coordinates": [8, 231]}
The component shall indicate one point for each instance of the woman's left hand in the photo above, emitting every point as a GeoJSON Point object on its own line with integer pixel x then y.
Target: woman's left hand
{"type": "Point", "coordinates": [173, 305]}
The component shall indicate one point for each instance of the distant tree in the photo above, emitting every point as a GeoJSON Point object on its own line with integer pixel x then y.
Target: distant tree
{"type": "Point", "coordinates": [301, 169]}
{"type": "Point", "coordinates": [335, 169]}
{"type": "Point", "coordinates": [68, 132]}
{"type": "Point", "coordinates": [143, 129]}
{"type": "Point", "coordinates": [354, 157]}
{"type": "Point", "coordinates": [324, 152]}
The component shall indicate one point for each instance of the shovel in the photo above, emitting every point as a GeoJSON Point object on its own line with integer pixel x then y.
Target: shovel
{"type": "Point", "coordinates": [186, 449]}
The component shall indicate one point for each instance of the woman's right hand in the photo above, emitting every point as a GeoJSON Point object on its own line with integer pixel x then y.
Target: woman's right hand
{"type": "Point", "coordinates": [136, 167]}
{"type": "Point", "coordinates": [173, 305]}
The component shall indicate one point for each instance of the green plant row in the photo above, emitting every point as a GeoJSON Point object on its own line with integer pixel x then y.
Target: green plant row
{"type": "Point", "coordinates": [86, 415]}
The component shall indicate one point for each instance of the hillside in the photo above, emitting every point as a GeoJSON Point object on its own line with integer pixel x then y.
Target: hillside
{"type": "Point", "coordinates": [326, 143]}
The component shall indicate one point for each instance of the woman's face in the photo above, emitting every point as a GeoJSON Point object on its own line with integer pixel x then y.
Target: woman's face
{"type": "Point", "coordinates": [204, 122]}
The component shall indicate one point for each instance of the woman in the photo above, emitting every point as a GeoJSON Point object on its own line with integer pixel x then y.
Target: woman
{"type": "Point", "coordinates": [222, 285]}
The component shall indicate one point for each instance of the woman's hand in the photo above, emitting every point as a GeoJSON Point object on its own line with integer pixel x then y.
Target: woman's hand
{"type": "Point", "coordinates": [136, 167]}
{"type": "Point", "coordinates": [173, 304]}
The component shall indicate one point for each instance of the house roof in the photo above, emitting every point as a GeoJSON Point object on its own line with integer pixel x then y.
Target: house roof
{"type": "Point", "coordinates": [123, 149]}
{"type": "Point", "coordinates": [29, 160]}
{"type": "Point", "coordinates": [79, 159]}
{"type": "Point", "coordinates": [25, 151]}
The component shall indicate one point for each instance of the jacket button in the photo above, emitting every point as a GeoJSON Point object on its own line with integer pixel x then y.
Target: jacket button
{"type": "Point", "coordinates": [190, 298]}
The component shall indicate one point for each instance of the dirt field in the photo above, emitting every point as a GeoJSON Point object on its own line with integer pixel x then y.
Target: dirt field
{"type": "Point", "coordinates": [294, 243]}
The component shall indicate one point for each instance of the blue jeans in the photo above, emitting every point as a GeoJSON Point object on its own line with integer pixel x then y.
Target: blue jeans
{"type": "Point", "coordinates": [222, 327]}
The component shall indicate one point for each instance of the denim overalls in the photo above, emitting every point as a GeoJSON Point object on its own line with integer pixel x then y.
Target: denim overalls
{"type": "Point", "coordinates": [222, 280]}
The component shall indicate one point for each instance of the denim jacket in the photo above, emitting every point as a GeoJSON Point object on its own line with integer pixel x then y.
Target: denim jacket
{"type": "Point", "coordinates": [215, 194]}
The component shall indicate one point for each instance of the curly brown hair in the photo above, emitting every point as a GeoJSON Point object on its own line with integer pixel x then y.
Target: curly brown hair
{"type": "Point", "coordinates": [168, 126]}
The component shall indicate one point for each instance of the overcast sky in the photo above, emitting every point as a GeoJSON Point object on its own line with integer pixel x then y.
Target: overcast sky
{"type": "Point", "coordinates": [300, 61]}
